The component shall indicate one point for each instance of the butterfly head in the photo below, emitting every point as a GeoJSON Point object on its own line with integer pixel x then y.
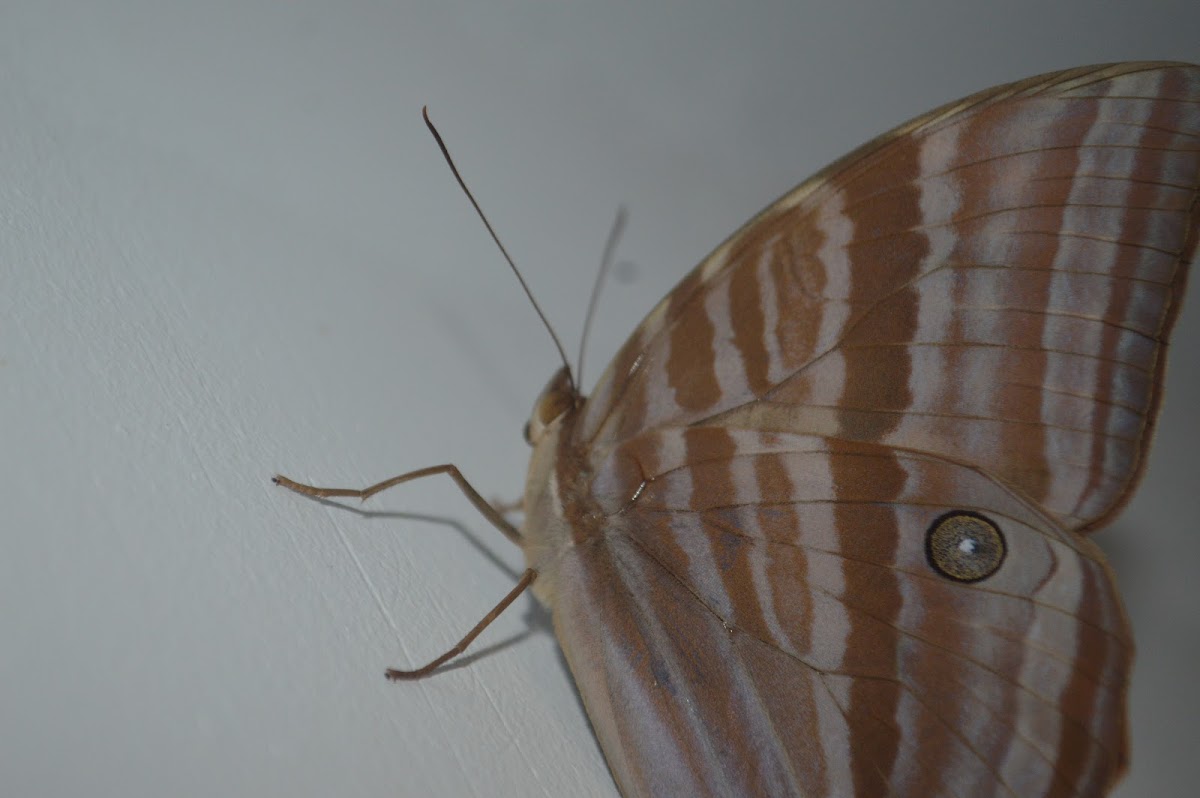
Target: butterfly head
{"type": "Point", "coordinates": [555, 400]}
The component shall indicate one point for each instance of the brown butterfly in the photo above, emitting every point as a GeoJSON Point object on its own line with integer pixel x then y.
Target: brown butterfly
{"type": "Point", "coordinates": [821, 527]}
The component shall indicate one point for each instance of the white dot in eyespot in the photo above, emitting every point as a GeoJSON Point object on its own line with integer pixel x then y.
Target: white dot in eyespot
{"type": "Point", "coordinates": [966, 546]}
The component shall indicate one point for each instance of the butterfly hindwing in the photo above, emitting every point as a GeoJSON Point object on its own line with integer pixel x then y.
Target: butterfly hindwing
{"type": "Point", "coordinates": [766, 622]}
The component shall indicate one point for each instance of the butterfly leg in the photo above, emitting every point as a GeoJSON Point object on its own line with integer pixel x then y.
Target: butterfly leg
{"type": "Point", "coordinates": [485, 509]}
{"type": "Point", "coordinates": [526, 580]}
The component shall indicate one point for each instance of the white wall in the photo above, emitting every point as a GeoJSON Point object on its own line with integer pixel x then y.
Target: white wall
{"type": "Point", "coordinates": [228, 247]}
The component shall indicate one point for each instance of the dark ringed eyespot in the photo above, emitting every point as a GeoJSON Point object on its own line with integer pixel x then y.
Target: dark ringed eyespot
{"type": "Point", "coordinates": [964, 546]}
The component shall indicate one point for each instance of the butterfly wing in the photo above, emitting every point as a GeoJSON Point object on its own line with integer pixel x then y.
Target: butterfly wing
{"type": "Point", "coordinates": [991, 282]}
{"type": "Point", "coordinates": [764, 621]}
{"type": "Point", "coordinates": [968, 313]}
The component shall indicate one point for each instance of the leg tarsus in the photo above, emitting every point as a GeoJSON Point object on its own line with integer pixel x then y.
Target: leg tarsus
{"type": "Point", "coordinates": [481, 504]}
{"type": "Point", "coordinates": [526, 580]}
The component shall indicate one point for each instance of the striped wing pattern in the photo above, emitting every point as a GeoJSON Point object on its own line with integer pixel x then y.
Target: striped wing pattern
{"type": "Point", "coordinates": [765, 623]}
{"type": "Point", "coordinates": [990, 282]}
{"type": "Point", "coordinates": [969, 313]}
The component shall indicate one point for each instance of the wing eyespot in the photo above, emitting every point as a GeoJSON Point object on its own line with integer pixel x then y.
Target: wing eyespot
{"type": "Point", "coordinates": [964, 546]}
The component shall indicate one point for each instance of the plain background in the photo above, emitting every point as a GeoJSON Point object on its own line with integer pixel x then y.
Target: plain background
{"type": "Point", "coordinates": [228, 247]}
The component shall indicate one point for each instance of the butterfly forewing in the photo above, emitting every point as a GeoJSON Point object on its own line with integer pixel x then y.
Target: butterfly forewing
{"type": "Point", "coordinates": [963, 319]}
{"type": "Point", "coordinates": [1039, 233]}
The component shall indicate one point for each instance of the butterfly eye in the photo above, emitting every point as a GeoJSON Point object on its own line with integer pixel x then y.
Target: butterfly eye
{"type": "Point", "coordinates": [558, 397]}
{"type": "Point", "coordinates": [965, 547]}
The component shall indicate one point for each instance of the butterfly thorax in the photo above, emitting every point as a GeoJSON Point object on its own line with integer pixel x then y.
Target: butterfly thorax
{"type": "Point", "coordinates": [559, 510]}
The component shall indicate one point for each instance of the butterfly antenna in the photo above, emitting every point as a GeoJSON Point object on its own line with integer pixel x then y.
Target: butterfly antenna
{"type": "Point", "coordinates": [562, 353]}
{"type": "Point", "coordinates": [610, 247]}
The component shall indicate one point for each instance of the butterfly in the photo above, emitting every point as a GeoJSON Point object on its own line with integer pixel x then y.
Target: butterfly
{"type": "Point", "coordinates": [821, 528]}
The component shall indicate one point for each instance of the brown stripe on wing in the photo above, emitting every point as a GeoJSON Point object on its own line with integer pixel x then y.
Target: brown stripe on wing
{"type": "Point", "coordinates": [885, 254]}
{"type": "Point", "coordinates": [871, 698]}
{"type": "Point", "coordinates": [786, 615]}
{"type": "Point", "coordinates": [749, 298]}
{"type": "Point", "coordinates": [691, 363]}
